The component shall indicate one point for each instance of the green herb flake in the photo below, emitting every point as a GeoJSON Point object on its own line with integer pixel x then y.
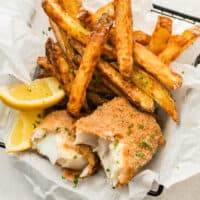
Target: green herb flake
{"type": "Point", "coordinates": [140, 126]}
{"type": "Point", "coordinates": [34, 125]}
{"type": "Point", "coordinates": [76, 177]}
{"type": "Point", "coordinates": [139, 109]}
{"type": "Point", "coordinates": [183, 72]}
{"type": "Point", "coordinates": [69, 132]}
{"type": "Point", "coordinates": [37, 122]}
{"type": "Point", "coordinates": [113, 187]}
{"type": "Point", "coordinates": [140, 154]}
{"type": "Point", "coordinates": [60, 87]}
{"type": "Point", "coordinates": [29, 89]}
{"type": "Point", "coordinates": [116, 143]}
{"type": "Point", "coordinates": [98, 79]}
{"type": "Point", "coordinates": [129, 129]}
{"type": "Point", "coordinates": [57, 128]}
{"type": "Point", "coordinates": [63, 177]}
{"type": "Point", "coordinates": [107, 170]}
{"type": "Point", "coordinates": [117, 161]}
{"type": "Point", "coordinates": [152, 137]}
{"type": "Point", "coordinates": [141, 78]}
{"type": "Point", "coordinates": [75, 157]}
{"type": "Point", "coordinates": [146, 145]}
{"type": "Point", "coordinates": [49, 28]}
{"type": "Point", "coordinates": [39, 116]}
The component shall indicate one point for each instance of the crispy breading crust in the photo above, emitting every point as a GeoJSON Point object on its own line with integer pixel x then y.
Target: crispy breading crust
{"type": "Point", "coordinates": [88, 63]}
{"type": "Point", "coordinates": [112, 121]}
{"type": "Point", "coordinates": [124, 39]}
{"type": "Point", "coordinates": [161, 34]}
{"type": "Point", "coordinates": [63, 120]}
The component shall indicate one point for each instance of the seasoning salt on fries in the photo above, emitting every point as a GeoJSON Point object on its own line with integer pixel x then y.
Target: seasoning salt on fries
{"type": "Point", "coordinates": [161, 34]}
{"type": "Point", "coordinates": [88, 63]}
{"type": "Point", "coordinates": [124, 39]}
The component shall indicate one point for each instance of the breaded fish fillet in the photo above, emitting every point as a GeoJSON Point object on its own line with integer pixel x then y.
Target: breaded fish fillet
{"type": "Point", "coordinates": [124, 138]}
{"type": "Point", "coordinates": [54, 139]}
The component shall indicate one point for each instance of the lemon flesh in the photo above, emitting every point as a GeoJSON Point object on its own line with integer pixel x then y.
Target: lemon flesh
{"type": "Point", "coordinates": [39, 94]}
{"type": "Point", "coordinates": [20, 137]}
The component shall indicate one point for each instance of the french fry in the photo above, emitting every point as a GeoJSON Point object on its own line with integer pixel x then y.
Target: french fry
{"type": "Point", "coordinates": [124, 39]}
{"type": "Point", "coordinates": [134, 94]}
{"type": "Point", "coordinates": [72, 7]}
{"type": "Point", "coordinates": [61, 67]}
{"type": "Point", "coordinates": [71, 26]}
{"type": "Point", "coordinates": [161, 35]}
{"type": "Point", "coordinates": [96, 99]}
{"type": "Point", "coordinates": [89, 19]}
{"type": "Point", "coordinates": [151, 63]}
{"type": "Point", "coordinates": [89, 60]}
{"type": "Point", "coordinates": [178, 43]}
{"type": "Point", "coordinates": [156, 91]}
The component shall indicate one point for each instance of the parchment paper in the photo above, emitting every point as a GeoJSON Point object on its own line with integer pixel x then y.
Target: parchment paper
{"type": "Point", "coordinates": [22, 41]}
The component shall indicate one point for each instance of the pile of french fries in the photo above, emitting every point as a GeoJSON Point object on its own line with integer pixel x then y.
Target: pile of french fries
{"type": "Point", "coordinates": [98, 56]}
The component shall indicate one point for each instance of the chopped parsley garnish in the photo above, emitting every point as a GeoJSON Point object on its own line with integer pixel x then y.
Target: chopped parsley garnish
{"type": "Point", "coordinates": [117, 161]}
{"type": "Point", "coordinates": [129, 129]}
{"type": "Point", "coordinates": [57, 128]}
{"type": "Point", "coordinates": [140, 109]}
{"type": "Point", "coordinates": [69, 132]}
{"type": "Point", "coordinates": [107, 170]}
{"type": "Point", "coordinates": [146, 145]}
{"type": "Point", "coordinates": [60, 87]}
{"type": "Point", "coordinates": [141, 78]}
{"type": "Point", "coordinates": [140, 154]}
{"type": "Point", "coordinates": [34, 125]}
{"type": "Point", "coordinates": [151, 137]}
{"type": "Point", "coordinates": [63, 177]}
{"type": "Point", "coordinates": [98, 79]}
{"type": "Point", "coordinates": [39, 116]}
{"type": "Point", "coordinates": [49, 28]}
{"type": "Point", "coordinates": [183, 72]}
{"type": "Point", "coordinates": [140, 126]}
{"type": "Point", "coordinates": [116, 143]}
{"type": "Point", "coordinates": [75, 157]}
{"type": "Point", "coordinates": [44, 33]}
{"type": "Point", "coordinates": [29, 89]}
{"type": "Point", "coordinates": [76, 177]}
{"type": "Point", "coordinates": [113, 187]}
{"type": "Point", "coordinates": [37, 122]}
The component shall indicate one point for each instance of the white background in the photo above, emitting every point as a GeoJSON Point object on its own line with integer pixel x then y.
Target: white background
{"type": "Point", "coordinates": [13, 185]}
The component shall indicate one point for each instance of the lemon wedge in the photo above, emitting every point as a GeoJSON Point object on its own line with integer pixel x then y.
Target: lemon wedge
{"type": "Point", "coordinates": [20, 137]}
{"type": "Point", "coordinates": [39, 94]}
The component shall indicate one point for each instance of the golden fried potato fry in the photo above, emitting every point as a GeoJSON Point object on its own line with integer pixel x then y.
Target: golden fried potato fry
{"type": "Point", "coordinates": [133, 93]}
{"type": "Point", "coordinates": [72, 7]}
{"type": "Point", "coordinates": [89, 60]}
{"type": "Point", "coordinates": [178, 43]}
{"type": "Point", "coordinates": [124, 39]}
{"type": "Point", "coordinates": [154, 89]}
{"type": "Point", "coordinates": [96, 99]}
{"type": "Point", "coordinates": [89, 19]}
{"type": "Point", "coordinates": [161, 34]}
{"type": "Point", "coordinates": [61, 68]}
{"type": "Point", "coordinates": [71, 26]}
{"type": "Point", "coordinates": [151, 63]}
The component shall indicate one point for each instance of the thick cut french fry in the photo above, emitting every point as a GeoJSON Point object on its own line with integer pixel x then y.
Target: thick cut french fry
{"type": "Point", "coordinates": [61, 68]}
{"type": "Point", "coordinates": [154, 89]}
{"type": "Point", "coordinates": [124, 39]}
{"type": "Point", "coordinates": [89, 19]}
{"type": "Point", "coordinates": [133, 93]}
{"type": "Point", "coordinates": [178, 44]}
{"type": "Point", "coordinates": [72, 7]}
{"type": "Point", "coordinates": [151, 63]}
{"type": "Point", "coordinates": [161, 35]}
{"type": "Point", "coordinates": [71, 26]}
{"type": "Point", "coordinates": [63, 40]}
{"type": "Point", "coordinates": [96, 99]}
{"type": "Point", "coordinates": [89, 60]}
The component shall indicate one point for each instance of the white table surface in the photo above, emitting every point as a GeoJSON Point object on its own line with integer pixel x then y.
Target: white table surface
{"type": "Point", "coordinates": [13, 185]}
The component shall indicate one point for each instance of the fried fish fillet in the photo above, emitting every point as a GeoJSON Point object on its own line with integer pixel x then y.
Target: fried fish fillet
{"type": "Point", "coordinates": [124, 138]}
{"type": "Point", "coordinates": [54, 139]}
